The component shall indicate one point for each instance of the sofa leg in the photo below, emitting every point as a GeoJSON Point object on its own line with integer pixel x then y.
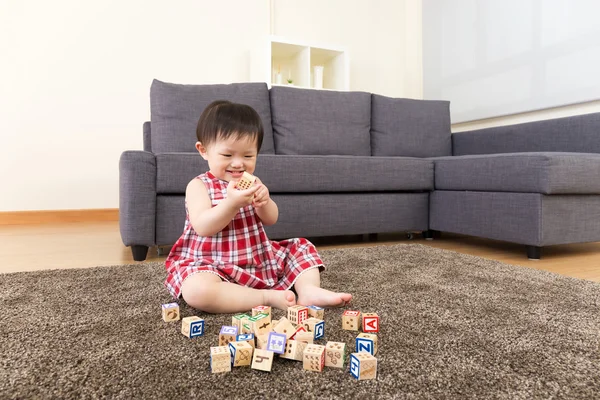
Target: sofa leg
{"type": "Point", "coordinates": [139, 252]}
{"type": "Point", "coordinates": [534, 252]}
{"type": "Point", "coordinates": [428, 234]}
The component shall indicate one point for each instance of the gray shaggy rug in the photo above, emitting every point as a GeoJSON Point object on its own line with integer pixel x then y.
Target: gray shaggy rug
{"type": "Point", "coordinates": [452, 326]}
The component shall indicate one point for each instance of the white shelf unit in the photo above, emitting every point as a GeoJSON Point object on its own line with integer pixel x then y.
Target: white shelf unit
{"type": "Point", "coordinates": [296, 61]}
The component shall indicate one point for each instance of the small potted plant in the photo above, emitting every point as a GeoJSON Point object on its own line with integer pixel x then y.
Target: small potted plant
{"type": "Point", "coordinates": [290, 82]}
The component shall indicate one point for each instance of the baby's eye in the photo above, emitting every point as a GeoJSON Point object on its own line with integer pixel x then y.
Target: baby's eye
{"type": "Point", "coordinates": [226, 155]}
{"type": "Point", "coordinates": [249, 156]}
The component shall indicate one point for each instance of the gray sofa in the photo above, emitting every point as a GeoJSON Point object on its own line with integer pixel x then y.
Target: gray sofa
{"type": "Point", "coordinates": [344, 163]}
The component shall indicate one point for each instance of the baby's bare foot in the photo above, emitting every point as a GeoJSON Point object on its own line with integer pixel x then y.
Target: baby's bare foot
{"type": "Point", "coordinates": [316, 296]}
{"type": "Point", "coordinates": [281, 299]}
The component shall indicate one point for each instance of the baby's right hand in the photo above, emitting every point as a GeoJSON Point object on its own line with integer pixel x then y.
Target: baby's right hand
{"type": "Point", "coordinates": [240, 198]}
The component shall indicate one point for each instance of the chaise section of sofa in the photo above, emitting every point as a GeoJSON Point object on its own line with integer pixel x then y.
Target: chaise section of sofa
{"type": "Point", "coordinates": [536, 184]}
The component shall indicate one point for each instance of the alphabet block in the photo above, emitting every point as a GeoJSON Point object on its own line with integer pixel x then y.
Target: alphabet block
{"type": "Point", "coordinates": [300, 329]}
{"type": "Point", "coordinates": [297, 314]}
{"type": "Point", "coordinates": [220, 359]}
{"type": "Point", "coordinates": [314, 357]}
{"type": "Point", "coordinates": [260, 324]}
{"type": "Point", "coordinates": [285, 327]}
{"type": "Point", "coordinates": [276, 342]}
{"type": "Point", "coordinates": [261, 342]}
{"type": "Point", "coordinates": [246, 181]}
{"type": "Point", "coordinates": [335, 353]}
{"type": "Point", "coordinates": [227, 335]}
{"type": "Point", "coordinates": [316, 312]}
{"type": "Point", "coordinates": [370, 323]}
{"type": "Point", "coordinates": [366, 342]}
{"type": "Point", "coordinates": [241, 353]}
{"type": "Point", "coordinates": [316, 326]}
{"type": "Point", "coordinates": [294, 350]}
{"type": "Point", "coordinates": [192, 327]}
{"type": "Point", "coordinates": [305, 337]}
{"type": "Point", "coordinates": [238, 319]}
{"type": "Point", "coordinates": [351, 320]}
{"type": "Point", "coordinates": [246, 337]}
{"type": "Point", "coordinates": [363, 366]}
{"type": "Point", "coordinates": [170, 312]}
{"type": "Point", "coordinates": [261, 310]}
{"type": "Point", "coordinates": [262, 360]}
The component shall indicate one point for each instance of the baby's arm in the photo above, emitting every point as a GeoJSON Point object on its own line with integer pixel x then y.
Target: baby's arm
{"type": "Point", "coordinates": [207, 220]}
{"type": "Point", "coordinates": [265, 207]}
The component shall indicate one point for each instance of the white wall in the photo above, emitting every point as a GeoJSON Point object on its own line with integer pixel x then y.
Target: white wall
{"type": "Point", "coordinates": [75, 75]}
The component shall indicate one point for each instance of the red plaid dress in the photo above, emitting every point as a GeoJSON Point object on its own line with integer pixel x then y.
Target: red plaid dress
{"type": "Point", "coordinates": [240, 253]}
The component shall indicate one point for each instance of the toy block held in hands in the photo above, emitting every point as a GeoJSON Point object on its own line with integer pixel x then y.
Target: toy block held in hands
{"type": "Point", "coordinates": [276, 342]}
{"type": "Point", "coordinates": [351, 320]}
{"type": "Point", "coordinates": [245, 182]}
{"type": "Point", "coordinates": [316, 326]}
{"type": "Point", "coordinates": [305, 337]}
{"type": "Point", "coordinates": [246, 337]}
{"type": "Point", "coordinates": [261, 310]}
{"type": "Point", "coordinates": [220, 359]}
{"type": "Point", "coordinates": [238, 319]}
{"type": "Point", "coordinates": [314, 357]}
{"type": "Point", "coordinates": [262, 360]}
{"type": "Point", "coordinates": [366, 342]}
{"type": "Point", "coordinates": [294, 350]}
{"type": "Point", "coordinates": [370, 322]}
{"type": "Point", "coordinates": [241, 353]}
{"type": "Point", "coordinates": [192, 327]}
{"type": "Point", "coordinates": [335, 354]}
{"type": "Point", "coordinates": [260, 324]}
{"type": "Point", "coordinates": [363, 366]}
{"type": "Point", "coordinates": [316, 312]}
{"type": "Point", "coordinates": [227, 335]}
{"type": "Point", "coordinates": [297, 314]}
{"type": "Point", "coordinates": [285, 327]}
{"type": "Point", "coordinates": [170, 312]}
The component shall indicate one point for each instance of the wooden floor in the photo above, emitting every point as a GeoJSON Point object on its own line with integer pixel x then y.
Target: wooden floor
{"type": "Point", "coordinates": [76, 245]}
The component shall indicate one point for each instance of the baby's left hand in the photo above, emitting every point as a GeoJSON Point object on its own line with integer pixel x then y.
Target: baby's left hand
{"type": "Point", "coordinates": [261, 196]}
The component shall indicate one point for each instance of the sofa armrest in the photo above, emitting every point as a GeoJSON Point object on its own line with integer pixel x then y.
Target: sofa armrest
{"type": "Point", "coordinates": [137, 198]}
{"type": "Point", "coordinates": [578, 134]}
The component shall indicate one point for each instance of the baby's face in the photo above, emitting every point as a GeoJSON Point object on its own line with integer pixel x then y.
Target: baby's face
{"type": "Point", "coordinates": [229, 158]}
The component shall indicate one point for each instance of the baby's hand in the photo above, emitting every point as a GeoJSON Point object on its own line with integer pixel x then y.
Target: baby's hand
{"type": "Point", "coordinates": [240, 198]}
{"type": "Point", "coordinates": [261, 197]}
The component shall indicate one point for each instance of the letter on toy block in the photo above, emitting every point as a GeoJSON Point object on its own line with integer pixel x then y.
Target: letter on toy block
{"type": "Point", "coordinates": [262, 360]}
{"type": "Point", "coordinates": [192, 327]}
{"type": "Point", "coordinates": [227, 335]}
{"type": "Point", "coordinates": [370, 323]}
{"type": "Point", "coordinates": [237, 320]}
{"type": "Point", "coordinates": [276, 342]}
{"type": "Point", "coordinates": [316, 312]}
{"type": "Point", "coordinates": [241, 353]}
{"type": "Point", "coordinates": [351, 320]}
{"type": "Point", "coordinates": [246, 181]}
{"type": "Point", "coordinates": [316, 326]}
{"type": "Point", "coordinates": [366, 342]}
{"type": "Point", "coordinates": [294, 350]}
{"type": "Point", "coordinates": [335, 353]}
{"type": "Point", "coordinates": [363, 366]}
{"type": "Point", "coordinates": [260, 324]}
{"type": "Point", "coordinates": [314, 357]}
{"type": "Point", "coordinates": [261, 310]}
{"type": "Point", "coordinates": [285, 327]}
{"type": "Point", "coordinates": [300, 329]}
{"type": "Point", "coordinates": [220, 359]}
{"type": "Point", "coordinates": [170, 312]}
{"type": "Point", "coordinates": [297, 314]}
{"type": "Point", "coordinates": [246, 337]}
{"type": "Point", "coordinates": [305, 337]}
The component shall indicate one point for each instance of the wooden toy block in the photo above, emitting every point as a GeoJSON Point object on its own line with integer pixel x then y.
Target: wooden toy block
{"type": "Point", "coordinates": [297, 314]}
{"type": "Point", "coordinates": [316, 326]}
{"type": "Point", "coordinates": [261, 342]}
{"type": "Point", "coordinates": [170, 312]}
{"type": "Point", "coordinates": [238, 319]}
{"type": "Point", "coordinates": [363, 366]}
{"type": "Point", "coordinates": [261, 310]}
{"type": "Point", "coordinates": [314, 357]}
{"type": "Point", "coordinates": [351, 320]}
{"type": "Point", "coordinates": [370, 322]}
{"type": "Point", "coordinates": [241, 353]}
{"type": "Point", "coordinates": [227, 335]}
{"type": "Point", "coordinates": [305, 337]}
{"type": "Point", "coordinates": [220, 359]}
{"type": "Point", "coordinates": [246, 181]}
{"type": "Point", "coordinates": [285, 327]}
{"type": "Point", "coordinates": [260, 324]}
{"type": "Point", "coordinates": [316, 312]}
{"type": "Point", "coordinates": [366, 342]}
{"type": "Point", "coordinates": [299, 329]}
{"type": "Point", "coordinates": [246, 337]}
{"type": "Point", "coordinates": [276, 342]}
{"type": "Point", "coordinates": [335, 353]}
{"type": "Point", "coordinates": [245, 327]}
{"type": "Point", "coordinates": [192, 327]}
{"type": "Point", "coordinates": [262, 360]}
{"type": "Point", "coordinates": [294, 350]}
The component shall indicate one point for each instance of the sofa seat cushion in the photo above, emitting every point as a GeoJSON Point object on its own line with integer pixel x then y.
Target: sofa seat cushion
{"type": "Point", "coordinates": [546, 173]}
{"type": "Point", "coordinates": [309, 174]}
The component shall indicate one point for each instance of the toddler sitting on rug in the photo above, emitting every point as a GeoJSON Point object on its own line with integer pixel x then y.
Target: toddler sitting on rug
{"type": "Point", "coordinates": [224, 262]}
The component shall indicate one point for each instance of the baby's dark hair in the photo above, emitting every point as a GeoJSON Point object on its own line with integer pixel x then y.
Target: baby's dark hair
{"type": "Point", "coordinates": [223, 119]}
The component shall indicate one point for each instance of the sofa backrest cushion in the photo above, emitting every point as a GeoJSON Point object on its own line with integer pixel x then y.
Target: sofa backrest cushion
{"type": "Point", "coordinates": [320, 122]}
{"type": "Point", "coordinates": [175, 110]}
{"type": "Point", "coordinates": [410, 128]}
